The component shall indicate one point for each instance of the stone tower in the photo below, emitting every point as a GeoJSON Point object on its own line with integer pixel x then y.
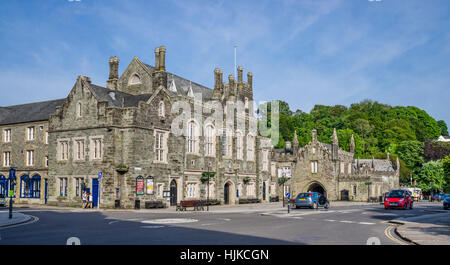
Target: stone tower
{"type": "Point", "coordinates": [352, 145]}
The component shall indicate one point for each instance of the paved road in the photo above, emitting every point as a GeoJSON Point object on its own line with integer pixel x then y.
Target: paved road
{"type": "Point", "coordinates": [339, 225]}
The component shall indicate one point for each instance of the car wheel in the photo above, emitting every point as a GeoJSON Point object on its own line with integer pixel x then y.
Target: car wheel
{"type": "Point", "coordinates": [297, 207]}
{"type": "Point", "coordinates": [327, 205]}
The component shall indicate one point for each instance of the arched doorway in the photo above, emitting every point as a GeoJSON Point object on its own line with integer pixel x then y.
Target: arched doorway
{"type": "Point", "coordinates": [226, 193]}
{"type": "Point", "coordinates": [173, 193]}
{"type": "Point", "coordinates": [317, 187]}
{"type": "Point", "coordinates": [229, 193]}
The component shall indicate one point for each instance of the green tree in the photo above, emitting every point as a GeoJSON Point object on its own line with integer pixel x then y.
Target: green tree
{"type": "Point", "coordinates": [431, 177]}
{"type": "Point", "coordinates": [412, 153]}
{"type": "Point", "coordinates": [446, 165]}
{"type": "Point", "coordinates": [443, 127]}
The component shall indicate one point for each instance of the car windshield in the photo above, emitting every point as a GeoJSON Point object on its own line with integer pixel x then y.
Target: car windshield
{"type": "Point", "coordinates": [303, 195]}
{"type": "Point", "coordinates": [396, 194]}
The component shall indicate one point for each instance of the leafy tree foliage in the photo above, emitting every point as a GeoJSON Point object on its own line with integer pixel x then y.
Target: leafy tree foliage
{"type": "Point", "coordinates": [443, 127]}
{"type": "Point", "coordinates": [431, 177]}
{"type": "Point", "coordinates": [446, 165]}
{"type": "Point", "coordinates": [412, 153]}
{"type": "Point", "coordinates": [436, 150]}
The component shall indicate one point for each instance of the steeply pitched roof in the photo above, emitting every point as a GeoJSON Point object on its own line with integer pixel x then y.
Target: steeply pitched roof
{"type": "Point", "coordinates": [182, 85]}
{"type": "Point", "coordinates": [38, 111]}
{"type": "Point", "coordinates": [117, 98]}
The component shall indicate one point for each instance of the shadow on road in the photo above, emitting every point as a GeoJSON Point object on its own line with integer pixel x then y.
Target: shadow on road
{"type": "Point", "coordinates": [54, 228]}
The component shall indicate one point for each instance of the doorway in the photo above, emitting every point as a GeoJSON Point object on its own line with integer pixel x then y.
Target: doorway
{"type": "Point", "coordinates": [317, 187]}
{"type": "Point", "coordinates": [226, 193]}
{"type": "Point", "coordinates": [173, 193]}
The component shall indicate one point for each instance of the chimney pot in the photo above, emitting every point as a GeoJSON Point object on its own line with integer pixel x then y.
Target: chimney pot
{"type": "Point", "coordinates": [162, 58]}
{"type": "Point", "coordinates": [157, 59]}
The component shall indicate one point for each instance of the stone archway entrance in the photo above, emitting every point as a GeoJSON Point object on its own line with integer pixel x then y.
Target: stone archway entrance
{"type": "Point", "coordinates": [228, 193]}
{"type": "Point", "coordinates": [317, 187]}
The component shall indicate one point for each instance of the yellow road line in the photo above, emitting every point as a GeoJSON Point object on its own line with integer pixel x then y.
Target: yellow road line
{"type": "Point", "coordinates": [388, 234]}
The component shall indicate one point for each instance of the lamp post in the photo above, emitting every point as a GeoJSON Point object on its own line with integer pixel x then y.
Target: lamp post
{"type": "Point", "coordinates": [12, 180]}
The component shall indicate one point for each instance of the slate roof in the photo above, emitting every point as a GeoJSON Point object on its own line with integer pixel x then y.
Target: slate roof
{"type": "Point", "coordinates": [379, 164]}
{"type": "Point", "coordinates": [38, 111]}
{"type": "Point", "coordinates": [117, 98]}
{"type": "Point", "coordinates": [182, 85]}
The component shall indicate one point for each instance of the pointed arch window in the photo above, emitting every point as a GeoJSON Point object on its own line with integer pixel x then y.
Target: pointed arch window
{"type": "Point", "coordinates": [210, 141]}
{"type": "Point", "coordinates": [239, 146]}
{"type": "Point", "coordinates": [79, 109]}
{"type": "Point", "coordinates": [135, 79]}
{"type": "Point", "coordinates": [192, 137]}
{"type": "Point", "coordinates": [161, 109]}
{"type": "Point", "coordinates": [250, 147]}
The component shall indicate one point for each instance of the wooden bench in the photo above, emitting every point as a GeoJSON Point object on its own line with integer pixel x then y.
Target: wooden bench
{"type": "Point", "coordinates": [196, 204]}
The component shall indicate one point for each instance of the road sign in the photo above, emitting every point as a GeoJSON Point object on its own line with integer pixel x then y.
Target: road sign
{"type": "Point", "coordinates": [100, 175]}
{"type": "Point", "coordinates": [288, 195]}
{"type": "Point", "coordinates": [11, 193]}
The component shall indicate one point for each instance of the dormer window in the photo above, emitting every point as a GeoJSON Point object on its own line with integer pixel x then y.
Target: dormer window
{"type": "Point", "coordinates": [135, 79]}
{"type": "Point", "coordinates": [161, 112]}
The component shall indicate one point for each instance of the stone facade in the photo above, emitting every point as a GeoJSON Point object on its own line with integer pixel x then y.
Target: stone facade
{"type": "Point", "coordinates": [125, 132]}
{"type": "Point", "coordinates": [328, 169]}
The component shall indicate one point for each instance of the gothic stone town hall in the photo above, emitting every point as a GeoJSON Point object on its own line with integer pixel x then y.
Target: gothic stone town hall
{"type": "Point", "coordinates": [117, 142]}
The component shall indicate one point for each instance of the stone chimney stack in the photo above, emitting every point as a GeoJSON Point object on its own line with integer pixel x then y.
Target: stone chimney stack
{"type": "Point", "coordinates": [231, 85]}
{"type": "Point", "coordinates": [250, 80]}
{"type": "Point", "coordinates": [218, 85]}
{"type": "Point", "coordinates": [240, 71]}
{"type": "Point", "coordinates": [113, 79]}
{"type": "Point", "coordinates": [162, 58]}
{"type": "Point", "coordinates": [314, 135]}
{"type": "Point", "coordinates": [157, 59]}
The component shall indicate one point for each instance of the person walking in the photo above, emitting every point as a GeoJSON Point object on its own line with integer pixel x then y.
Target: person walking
{"type": "Point", "coordinates": [84, 198]}
{"type": "Point", "coordinates": [90, 200]}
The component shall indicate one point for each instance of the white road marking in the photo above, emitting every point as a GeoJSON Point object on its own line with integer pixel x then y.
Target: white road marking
{"type": "Point", "coordinates": [365, 223]}
{"type": "Point", "coordinates": [170, 221]}
{"type": "Point", "coordinates": [330, 220]}
{"type": "Point", "coordinates": [152, 226]}
{"type": "Point", "coordinates": [112, 222]}
{"type": "Point", "coordinates": [348, 222]}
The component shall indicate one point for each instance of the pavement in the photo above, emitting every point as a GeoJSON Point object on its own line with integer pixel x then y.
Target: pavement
{"type": "Point", "coordinates": [430, 229]}
{"type": "Point", "coordinates": [17, 218]}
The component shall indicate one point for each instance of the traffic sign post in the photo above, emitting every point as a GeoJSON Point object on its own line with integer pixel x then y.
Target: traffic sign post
{"type": "Point", "coordinates": [12, 178]}
{"type": "Point", "coordinates": [288, 196]}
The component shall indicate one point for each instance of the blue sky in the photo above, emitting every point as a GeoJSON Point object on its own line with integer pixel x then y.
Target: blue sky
{"type": "Point", "coordinates": [304, 52]}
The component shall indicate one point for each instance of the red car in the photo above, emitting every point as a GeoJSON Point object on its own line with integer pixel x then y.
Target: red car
{"type": "Point", "coordinates": [401, 199]}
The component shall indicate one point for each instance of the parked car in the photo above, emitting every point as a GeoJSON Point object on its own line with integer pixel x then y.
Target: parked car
{"type": "Point", "coordinates": [2, 200]}
{"type": "Point", "coordinates": [312, 200]}
{"type": "Point", "coordinates": [446, 202]}
{"type": "Point", "coordinates": [399, 199]}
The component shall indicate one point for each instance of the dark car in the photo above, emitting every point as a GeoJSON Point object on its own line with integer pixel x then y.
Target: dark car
{"type": "Point", "coordinates": [446, 202]}
{"type": "Point", "coordinates": [398, 199]}
{"type": "Point", "coordinates": [312, 200]}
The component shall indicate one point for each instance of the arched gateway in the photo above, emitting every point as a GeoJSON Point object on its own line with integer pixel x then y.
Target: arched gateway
{"type": "Point", "coordinates": [317, 187]}
{"type": "Point", "coordinates": [228, 193]}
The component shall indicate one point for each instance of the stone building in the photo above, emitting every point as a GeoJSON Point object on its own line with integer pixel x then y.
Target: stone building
{"type": "Point", "coordinates": [24, 144]}
{"type": "Point", "coordinates": [148, 131]}
{"type": "Point", "coordinates": [328, 169]}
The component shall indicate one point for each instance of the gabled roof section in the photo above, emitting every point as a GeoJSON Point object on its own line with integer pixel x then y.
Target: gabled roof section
{"type": "Point", "coordinates": [116, 98]}
{"type": "Point", "coordinates": [182, 85]}
{"type": "Point", "coordinates": [38, 111]}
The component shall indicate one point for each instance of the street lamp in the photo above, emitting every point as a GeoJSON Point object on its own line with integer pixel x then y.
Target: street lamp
{"type": "Point", "coordinates": [12, 184]}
